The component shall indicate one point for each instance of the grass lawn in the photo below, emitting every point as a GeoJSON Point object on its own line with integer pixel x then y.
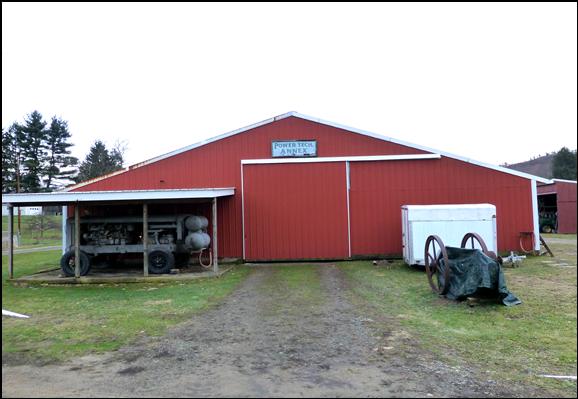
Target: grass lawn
{"type": "Point", "coordinates": [517, 343]}
{"type": "Point", "coordinates": [77, 320]}
{"type": "Point", "coordinates": [30, 237]}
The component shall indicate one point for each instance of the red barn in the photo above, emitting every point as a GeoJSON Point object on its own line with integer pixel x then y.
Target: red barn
{"type": "Point", "coordinates": [306, 188]}
{"type": "Point", "coordinates": [559, 198]}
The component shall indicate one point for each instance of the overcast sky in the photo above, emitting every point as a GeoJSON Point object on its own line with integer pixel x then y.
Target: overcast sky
{"type": "Point", "coordinates": [493, 82]}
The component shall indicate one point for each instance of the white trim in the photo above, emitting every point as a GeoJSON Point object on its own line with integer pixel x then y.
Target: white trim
{"type": "Point", "coordinates": [312, 119]}
{"type": "Point", "coordinates": [348, 187]}
{"type": "Point", "coordinates": [564, 181]}
{"type": "Point", "coordinates": [243, 209]}
{"type": "Point", "coordinates": [548, 193]}
{"type": "Point", "coordinates": [61, 197]}
{"type": "Point", "coordinates": [536, 215]}
{"type": "Point", "coordinates": [340, 159]}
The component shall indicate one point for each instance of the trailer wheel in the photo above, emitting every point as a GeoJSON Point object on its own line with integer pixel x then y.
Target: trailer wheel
{"type": "Point", "coordinates": [161, 262]}
{"type": "Point", "coordinates": [432, 255]}
{"type": "Point", "coordinates": [67, 263]}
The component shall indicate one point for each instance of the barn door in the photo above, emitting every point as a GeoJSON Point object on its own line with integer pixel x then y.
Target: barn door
{"type": "Point", "coordinates": [295, 211]}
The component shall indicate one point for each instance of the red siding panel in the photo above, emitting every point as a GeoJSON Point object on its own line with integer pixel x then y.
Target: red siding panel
{"type": "Point", "coordinates": [566, 207]}
{"type": "Point", "coordinates": [379, 189]}
{"type": "Point", "coordinates": [295, 211]}
{"type": "Point", "coordinates": [566, 204]}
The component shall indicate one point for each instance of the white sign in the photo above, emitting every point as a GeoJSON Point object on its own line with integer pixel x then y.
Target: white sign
{"type": "Point", "coordinates": [296, 148]}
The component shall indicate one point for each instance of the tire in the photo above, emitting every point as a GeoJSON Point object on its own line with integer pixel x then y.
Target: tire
{"type": "Point", "coordinates": [547, 229]}
{"type": "Point", "coordinates": [67, 263]}
{"type": "Point", "coordinates": [161, 262]}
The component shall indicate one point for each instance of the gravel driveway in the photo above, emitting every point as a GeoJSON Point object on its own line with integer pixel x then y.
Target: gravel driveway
{"type": "Point", "coordinates": [265, 341]}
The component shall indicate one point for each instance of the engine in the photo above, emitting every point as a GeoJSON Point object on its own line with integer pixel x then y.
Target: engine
{"type": "Point", "coordinates": [110, 234]}
{"type": "Point", "coordinates": [188, 231]}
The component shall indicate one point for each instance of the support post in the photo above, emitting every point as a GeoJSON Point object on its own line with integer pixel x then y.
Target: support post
{"type": "Point", "coordinates": [76, 240]}
{"type": "Point", "coordinates": [11, 244]}
{"type": "Point", "coordinates": [215, 251]}
{"type": "Point", "coordinates": [145, 238]}
{"type": "Point", "coordinates": [64, 228]}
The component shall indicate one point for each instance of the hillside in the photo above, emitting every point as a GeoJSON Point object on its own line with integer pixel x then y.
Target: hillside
{"type": "Point", "coordinates": [541, 166]}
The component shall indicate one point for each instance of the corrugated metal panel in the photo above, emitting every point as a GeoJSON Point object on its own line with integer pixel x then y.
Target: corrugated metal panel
{"type": "Point", "coordinates": [546, 189]}
{"type": "Point", "coordinates": [295, 211]}
{"type": "Point", "coordinates": [218, 165]}
{"type": "Point", "coordinates": [566, 207]}
{"type": "Point", "coordinates": [379, 189]}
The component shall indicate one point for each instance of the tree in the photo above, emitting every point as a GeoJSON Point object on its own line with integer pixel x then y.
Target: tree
{"type": "Point", "coordinates": [100, 161]}
{"type": "Point", "coordinates": [10, 160]}
{"type": "Point", "coordinates": [36, 158]}
{"type": "Point", "coordinates": [31, 139]}
{"type": "Point", "coordinates": [39, 224]}
{"type": "Point", "coordinates": [564, 164]}
{"type": "Point", "coordinates": [58, 159]}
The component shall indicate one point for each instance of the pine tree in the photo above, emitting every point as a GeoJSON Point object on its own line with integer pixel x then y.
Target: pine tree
{"type": "Point", "coordinates": [58, 159]}
{"type": "Point", "coordinates": [564, 164]}
{"type": "Point", "coordinates": [31, 139]}
{"type": "Point", "coordinates": [100, 161]}
{"type": "Point", "coordinates": [10, 164]}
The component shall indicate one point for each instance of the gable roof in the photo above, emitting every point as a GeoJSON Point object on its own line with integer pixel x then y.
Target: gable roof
{"type": "Point", "coordinates": [316, 120]}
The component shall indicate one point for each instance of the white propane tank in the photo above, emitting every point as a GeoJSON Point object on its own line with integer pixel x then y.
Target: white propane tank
{"type": "Point", "coordinates": [197, 240]}
{"type": "Point", "coordinates": [194, 223]}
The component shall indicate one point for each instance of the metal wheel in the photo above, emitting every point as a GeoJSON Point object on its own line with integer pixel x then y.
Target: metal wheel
{"type": "Point", "coordinates": [434, 249]}
{"type": "Point", "coordinates": [475, 237]}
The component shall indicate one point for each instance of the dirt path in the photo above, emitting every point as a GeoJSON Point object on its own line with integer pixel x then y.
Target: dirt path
{"type": "Point", "coordinates": [264, 341]}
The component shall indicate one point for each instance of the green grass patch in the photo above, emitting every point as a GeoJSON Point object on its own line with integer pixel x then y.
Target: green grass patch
{"type": "Point", "coordinates": [566, 236]}
{"type": "Point", "coordinates": [519, 343]}
{"type": "Point", "coordinates": [294, 288]}
{"type": "Point", "coordinates": [73, 320]}
{"type": "Point", "coordinates": [31, 236]}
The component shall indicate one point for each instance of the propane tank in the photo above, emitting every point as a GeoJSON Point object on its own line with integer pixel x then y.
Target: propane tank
{"type": "Point", "coordinates": [195, 223]}
{"type": "Point", "coordinates": [197, 240]}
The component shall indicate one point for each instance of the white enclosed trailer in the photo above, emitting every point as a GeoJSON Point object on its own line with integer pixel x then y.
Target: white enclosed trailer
{"type": "Point", "coordinates": [449, 222]}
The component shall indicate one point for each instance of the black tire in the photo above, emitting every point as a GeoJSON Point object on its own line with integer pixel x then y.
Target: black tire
{"type": "Point", "coordinates": [161, 262]}
{"type": "Point", "coordinates": [67, 263]}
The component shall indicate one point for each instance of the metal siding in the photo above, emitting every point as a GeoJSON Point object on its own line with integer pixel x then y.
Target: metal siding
{"type": "Point", "coordinates": [566, 207]}
{"type": "Point", "coordinates": [218, 165]}
{"type": "Point", "coordinates": [379, 189]}
{"type": "Point", "coordinates": [546, 189]}
{"type": "Point", "coordinates": [295, 211]}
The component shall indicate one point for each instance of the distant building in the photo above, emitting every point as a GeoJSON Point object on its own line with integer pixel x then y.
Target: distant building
{"type": "Point", "coordinates": [557, 206]}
